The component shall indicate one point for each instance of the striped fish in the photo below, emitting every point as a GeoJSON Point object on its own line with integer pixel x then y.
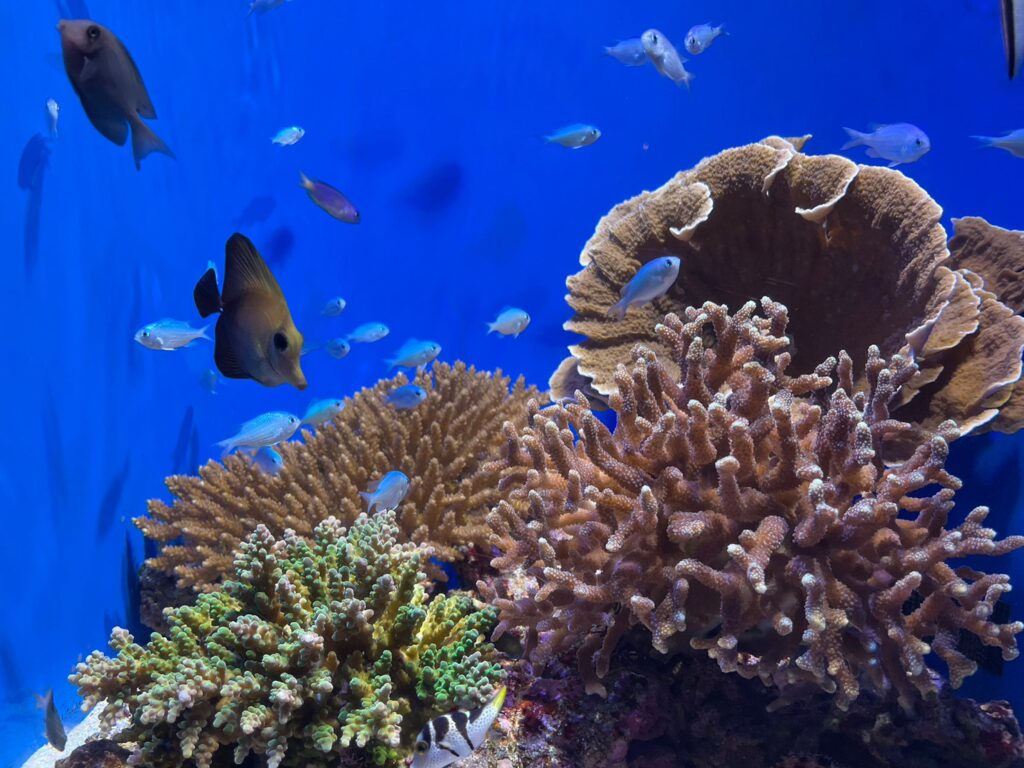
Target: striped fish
{"type": "Point", "coordinates": [452, 737]}
{"type": "Point", "coordinates": [1013, 34]}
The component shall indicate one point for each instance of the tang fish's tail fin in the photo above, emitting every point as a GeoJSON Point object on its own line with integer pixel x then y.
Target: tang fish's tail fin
{"type": "Point", "coordinates": [856, 138]}
{"type": "Point", "coordinates": [207, 295]}
{"type": "Point", "coordinates": [145, 142]}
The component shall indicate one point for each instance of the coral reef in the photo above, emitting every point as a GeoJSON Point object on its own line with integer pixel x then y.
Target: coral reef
{"type": "Point", "coordinates": [683, 713]}
{"type": "Point", "coordinates": [857, 253]}
{"type": "Point", "coordinates": [745, 512]}
{"type": "Point", "coordinates": [441, 445]}
{"type": "Point", "coordinates": [318, 649]}
{"type": "Point", "coordinates": [102, 753]}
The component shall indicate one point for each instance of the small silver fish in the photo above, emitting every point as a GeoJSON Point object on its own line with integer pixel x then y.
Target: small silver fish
{"type": "Point", "coordinates": [265, 430]}
{"type": "Point", "coordinates": [386, 492]}
{"type": "Point", "coordinates": [510, 322]}
{"type": "Point", "coordinates": [338, 348]}
{"type": "Point", "coordinates": [330, 200]}
{"type": "Point", "coordinates": [1013, 142]}
{"type": "Point", "coordinates": [897, 143]}
{"type": "Point", "coordinates": [574, 136]}
{"type": "Point", "coordinates": [268, 460]}
{"type": "Point", "coordinates": [334, 307]}
{"type": "Point", "coordinates": [169, 335]}
{"type": "Point", "coordinates": [700, 37]}
{"type": "Point", "coordinates": [629, 52]}
{"type": "Point", "coordinates": [665, 57]}
{"type": "Point", "coordinates": [414, 353]}
{"type": "Point", "coordinates": [368, 333]}
{"type": "Point", "coordinates": [1013, 34]}
{"type": "Point", "coordinates": [53, 112]}
{"type": "Point", "coordinates": [322, 411]}
{"type": "Point", "coordinates": [405, 397]}
{"type": "Point", "coordinates": [286, 137]}
{"type": "Point", "coordinates": [54, 727]}
{"type": "Point", "coordinates": [652, 280]}
{"type": "Point", "coordinates": [209, 380]}
{"type": "Point", "coordinates": [454, 736]}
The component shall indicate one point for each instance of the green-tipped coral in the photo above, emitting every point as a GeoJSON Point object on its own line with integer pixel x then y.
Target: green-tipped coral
{"type": "Point", "coordinates": [317, 649]}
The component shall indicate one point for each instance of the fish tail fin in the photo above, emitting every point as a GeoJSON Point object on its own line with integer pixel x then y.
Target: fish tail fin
{"type": "Point", "coordinates": [686, 79]}
{"type": "Point", "coordinates": [304, 181]}
{"type": "Point", "coordinates": [203, 333]}
{"type": "Point", "coordinates": [145, 142]}
{"type": "Point", "coordinates": [720, 29]}
{"type": "Point", "coordinates": [490, 328]}
{"type": "Point", "coordinates": [618, 310]}
{"type": "Point", "coordinates": [856, 138]}
{"type": "Point", "coordinates": [391, 362]}
{"type": "Point", "coordinates": [206, 294]}
{"type": "Point", "coordinates": [369, 501]}
{"type": "Point", "coordinates": [986, 141]}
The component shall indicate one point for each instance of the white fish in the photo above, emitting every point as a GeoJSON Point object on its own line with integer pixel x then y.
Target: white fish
{"type": "Point", "coordinates": [53, 112]}
{"type": "Point", "coordinates": [1013, 34]}
{"type": "Point", "coordinates": [369, 332]}
{"type": "Point", "coordinates": [629, 52]}
{"type": "Point", "coordinates": [265, 430]}
{"type": "Point", "coordinates": [334, 307]}
{"type": "Point", "coordinates": [386, 492]}
{"type": "Point", "coordinates": [169, 335]}
{"type": "Point", "coordinates": [652, 280]}
{"type": "Point", "coordinates": [897, 143]}
{"type": "Point", "coordinates": [322, 411]}
{"type": "Point", "coordinates": [700, 37]}
{"type": "Point", "coordinates": [510, 322]}
{"type": "Point", "coordinates": [268, 460]}
{"type": "Point", "coordinates": [665, 57]}
{"type": "Point", "coordinates": [288, 136]}
{"type": "Point", "coordinates": [414, 353]}
{"type": "Point", "coordinates": [574, 136]}
{"type": "Point", "coordinates": [454, 736]}
{"type": "Point", "coordinates": [1013, 142]}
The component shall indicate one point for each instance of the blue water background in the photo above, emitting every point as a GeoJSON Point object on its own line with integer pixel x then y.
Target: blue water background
{"type": "Point", "coordinates": [397, 98]}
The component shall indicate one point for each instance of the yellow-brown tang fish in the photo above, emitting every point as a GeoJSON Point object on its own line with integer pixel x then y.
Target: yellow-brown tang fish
{"type": "Point", "coordinates": [256, 338]}
{"type": "Point", "coordinates": [109, 85]}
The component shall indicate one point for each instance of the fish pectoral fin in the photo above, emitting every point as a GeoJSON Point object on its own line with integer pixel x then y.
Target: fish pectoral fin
{"type": "Point", "coordinates": [224, 357]}
{"type": "Point", "coordinates": [245, 271]}
{"type": "Point", "coordinates": [206, 293]}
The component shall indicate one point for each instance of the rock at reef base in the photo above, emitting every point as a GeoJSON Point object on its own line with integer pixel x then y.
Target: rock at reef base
{"type": "Point", "coordinates": [103, 753]}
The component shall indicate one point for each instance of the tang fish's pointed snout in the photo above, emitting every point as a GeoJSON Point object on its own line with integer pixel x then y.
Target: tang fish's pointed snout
{"type": "Point", "coordinates": [297, 378]}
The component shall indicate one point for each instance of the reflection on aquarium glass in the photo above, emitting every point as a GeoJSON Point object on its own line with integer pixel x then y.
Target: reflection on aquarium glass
{"type": "Point", "coordinates": [513, 385]}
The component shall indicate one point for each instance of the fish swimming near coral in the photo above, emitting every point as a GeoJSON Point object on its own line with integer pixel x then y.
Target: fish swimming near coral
{"type": "Point", "coordinates": [169, 335]}
{"type": "Point", "coordinates": [629, 52]}
{"type": "Point", "coordinates": [414, 353]}
{"type": "Point", "coordinates": [320, 412]}
{"type": "Point", "coordinates": [510, 322]}
{"type": "Point", "coordinates": [255, 336]}
{"type": "Point", "coordinates": [455, 736]}
{"type": "Point", "coordinates": [665, 57]}
{"type": "Point", "coordinates": [897, 143]}
{"type": "Point", "coordinates": [264, 430]}
{"type": "Point", "coordinates": [330, 200]}
{"type": "Point", "coordinates": [701, 36]}
{"type": "Point", "coordinates": [1013, 34]}
{"type": "Point", "coordinates": [109, 86]}
{"type": "Point", "coordinates": [406, 397]}
{"type": "Point", "coordinates": [574, 136]}
{"type": "Point", "coordinates": [55, 734]}
{"type": "Point", "coordinates": [1012, 142]}
{"type": "Point", "coordinates": [386, 492]}
{"type": "Point", "coordinates": [652, 280]}
{"type": "Point", "coordinates": [268, 460]}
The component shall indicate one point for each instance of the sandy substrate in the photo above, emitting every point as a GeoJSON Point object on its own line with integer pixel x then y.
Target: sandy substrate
{"type": "Point", "coordinates": [46, 756]}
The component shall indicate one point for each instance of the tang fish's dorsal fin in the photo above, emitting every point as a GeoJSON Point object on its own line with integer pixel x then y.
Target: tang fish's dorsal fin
{"type": "Point", "coordinates": [245, 271]}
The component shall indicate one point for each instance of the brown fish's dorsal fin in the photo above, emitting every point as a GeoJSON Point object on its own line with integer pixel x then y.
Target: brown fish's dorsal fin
{"type": "Point", "coordinates": [245, 271]}
{"type": "Point", "coordinates": [224, 356]}
{"type": "Point", "coordinates": [206, 293]}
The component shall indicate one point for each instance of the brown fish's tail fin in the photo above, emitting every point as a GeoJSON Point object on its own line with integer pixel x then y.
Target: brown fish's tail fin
{"type": "Point", "coordinates": [145, 142]}
{"type": "Point", "coordinates": [207, 294]}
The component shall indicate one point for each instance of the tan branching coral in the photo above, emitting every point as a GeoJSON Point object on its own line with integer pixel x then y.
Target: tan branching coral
{"type": "Point", "coordinates": [857, 253]}
{"type": "Point", "coordinates": [441, 445]}
{"type": "Point", "coordinates": [744, 511]}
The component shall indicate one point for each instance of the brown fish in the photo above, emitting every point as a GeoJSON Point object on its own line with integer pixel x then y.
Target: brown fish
{"type": "Point", "coordinates": [256, 338]}
{"type": "Point", "coordinates": [54, 726]}
{"type": "Point", "coordinates": [109, 86]}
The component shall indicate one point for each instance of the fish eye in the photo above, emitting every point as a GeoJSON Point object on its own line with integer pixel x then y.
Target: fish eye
{"type": "Point", "coordinates": [93, 32]}
{"type": "Point", "coordinates": [421, 747]}
{"type": "Point", "coordinates": [918, 142]}
{"type": "Point", "coordinates": [280, 341]}
{"type": "Point", "coordinates": [654, 39]}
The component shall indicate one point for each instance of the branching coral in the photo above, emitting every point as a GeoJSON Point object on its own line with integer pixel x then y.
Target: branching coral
{"type": "Point", "coordinates": [318, 648]}
{"type": "Point", "coordinates": [746, 511]}
{"type": "Point", "coordinates": [441, 445]}
{"type": "Point", "coordinates": [856, 252]}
